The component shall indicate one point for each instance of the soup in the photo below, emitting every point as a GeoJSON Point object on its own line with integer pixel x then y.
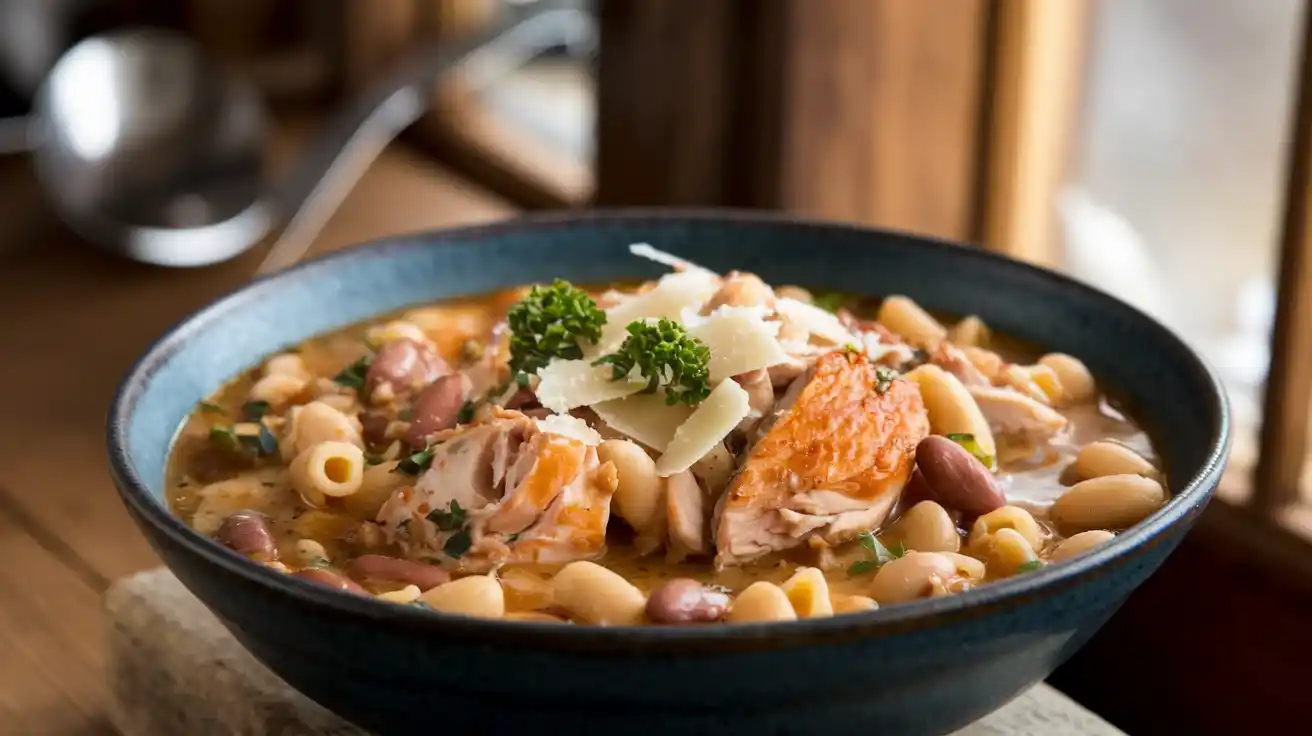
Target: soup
{"type": "Point", "coordinates": [696, 449]}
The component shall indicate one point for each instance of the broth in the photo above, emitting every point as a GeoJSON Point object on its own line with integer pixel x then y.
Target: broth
{"type": "Point", "coordinates": [314, 465]}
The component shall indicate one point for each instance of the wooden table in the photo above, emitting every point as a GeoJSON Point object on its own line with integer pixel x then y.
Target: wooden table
{"type": "Point", "coordinates": [73, 322]}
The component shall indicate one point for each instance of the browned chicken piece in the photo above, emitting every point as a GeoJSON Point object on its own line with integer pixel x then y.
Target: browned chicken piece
{"type": "Point", "coordinates": [504, 491]}
{"type": "Point", "coordinates": [954, 360]}
{"type": "Point", "coordinates": [831, 463]}
{"type": "Point", "coordinates": [1012, 414]}
{"type": "Point", "coordinates": [688, 516]}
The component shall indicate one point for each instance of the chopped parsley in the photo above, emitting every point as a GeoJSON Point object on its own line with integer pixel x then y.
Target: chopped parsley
{"type": "Point", "coordinates": [416, 463]}
{"type": "Point", "coordinates": [466, 412]}
{"type": "Point", "coordinates": [666, 355]}
{"type": "Point", "coordinates": [550, 323]}
{"type": "Point", "coordinates": [880, 554]}
{"type": "Point", "coordinates": [972, 446]}
{"type": "Point", "coordinates": [373, 458]}
{"type": "Point", "coordinates": [352, 376]}
{"type": "Point", "coordinates": [521, 379]}
{"type": "Point", "coordinates": [449, 519]}
{"type": "Point", "coordinates": [884, 378]}
{"type": "Point", "coordinates": [262, 442]}
{"type": "Point", "coordinates": [1030, 566]}
{"type": "Point", "coordinates": [458, 544]}
{"type": "Point", "coordinates": [832, 301]}
{"type": "Point", "coordinates": [254, 411]}
{"type": "Point", "coordinates": [209, 408]}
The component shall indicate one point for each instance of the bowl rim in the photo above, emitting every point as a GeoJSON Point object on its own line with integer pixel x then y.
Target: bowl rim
{"type": "Point", "coordinates": [902, 618]}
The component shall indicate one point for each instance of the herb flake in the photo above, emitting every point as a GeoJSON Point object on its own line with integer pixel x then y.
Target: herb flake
{"type": "Point", "coordinates": [209, 408]}
{"type": "Point", "coordinates": [458, 544]}
{"type": "Point", "coordinates": [415, 463]}
{"type": "Point", "coordinates": [254, 411]}
{"type": "Point", "coordinates": [1030, 566]}
{"type": "Point", "coordinates": [449, 519]}
{"type": "Point", "coordinates": [972, 446]}
{"type": "Point", "coordinates": [466, 412]}
{"type": "Point", "coordinates": [832, 301]}
{"type": "Point", "coordinates": [880, 554]}
{"type": "Point", "coordinates": [353, 375]}
{"type": "Point", "coordinates": [884, 378]}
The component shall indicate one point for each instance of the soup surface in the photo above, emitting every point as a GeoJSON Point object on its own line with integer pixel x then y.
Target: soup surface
{"type": "Point", "coordinates": [696, 449]}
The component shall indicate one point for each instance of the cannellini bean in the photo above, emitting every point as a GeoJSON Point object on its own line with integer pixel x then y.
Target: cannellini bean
{"type": "Point", "coordinates": [1080, 543]}
{"type": "Point", "coordinates": [1076, 381]}
{"type": "Point", "coordinates": [309, 550]}
{"type": "Point", "coordinates": [287, 364]}
{"type": "Point", "coordinates": [1009, 517]}
{"type": "Point", "coordinates": [592, 594]}
{"type": "Point", "coordinates": [951, 408]}
{"type": "Point", "coordinates": [808, 592]}
{"type": "Point", "coordinates": [852, 604]}
{"type": "Point", "coordinates": [926, 527]}
{"type": "Point", "coordinates": [761, 601]}
{"type": "Point", "coordinates": [970, 332]}
{"type": "Point", "coordinates": [408, 594]}
{"type": "Point", "coordinates": [534, 616]}
{"type": "Point", "coordinates": [1109, 502]}
{"type": "Point", "coordinates": [913, 576]}
{"type": "Point", "coordinates": [639, 498]}
{"type": "Point", "coordinates": [278, 389]}
{"type": "Point", "coordinates": [1111, 458]}
{"type": "Point", "coordinates": [477, 595]}
{"type": "Point", "coordinates": [904, 317]}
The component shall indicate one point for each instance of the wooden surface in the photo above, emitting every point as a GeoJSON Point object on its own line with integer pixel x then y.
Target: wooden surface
{"type": "Point", "coordinates": [173, 669]}
{"type": "Point", "coordinates": [843, 109]}
{"type": "Point", "coordinates": [74, 321]}
{"type": "Point", "coordinates": [1283, 444]}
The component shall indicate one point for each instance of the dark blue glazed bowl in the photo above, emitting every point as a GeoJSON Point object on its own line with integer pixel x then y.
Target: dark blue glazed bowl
{"type": "Point", "coordinates": [922, 668]}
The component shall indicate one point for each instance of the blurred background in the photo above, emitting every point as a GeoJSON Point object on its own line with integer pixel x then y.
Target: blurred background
{"type": "Point", "coordinates": [1153, 148]}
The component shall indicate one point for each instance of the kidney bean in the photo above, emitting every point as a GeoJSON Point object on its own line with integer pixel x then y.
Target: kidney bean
{"type": "Point", "coordinates": [247, 532]}
{"type": "Point", "coordinates": [368, 568]}
{"type": "Point", "coordinates": [329, 579]}
{"type": "Point", "coordinates": [685, 601]}
{"type": "Point", "coordinates": [957, 479]}
{"type": "Point", "coordinates": [436, 408]}
{"type": "Point", "coordinates": [522, 399]}
{"type": "Point", "coordinates": [373, 426]}
{"type": "Point", "coordinates": [406, 365]}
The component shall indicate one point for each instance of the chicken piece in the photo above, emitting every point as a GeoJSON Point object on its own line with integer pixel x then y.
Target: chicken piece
{"type": "Point", "coordinates": [831, 462]}
{"type": "Point", "coordinates": [740, 290]}
{"type": "Point", "coordinates": [504, 491]}
{"type": "Point", "coordinates": [1018, 378]}
{"type": "Point", "coordinates": [760, 396]}
{"type": "Point", "coordinates": [954, 360]}
{"type": "Point", "coordinates": [687, 516]}
{"type": "Point", "coordinates": [1012, 414]}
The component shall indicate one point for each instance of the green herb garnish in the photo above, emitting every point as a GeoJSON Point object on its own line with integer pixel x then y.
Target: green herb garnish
{"type": "Point", "coordinates": [449, 519]}
{"type": "Point", "coordinates": [466, 412]}
{"type": "Point", "coordinates": [884, 378]}
{"type": "Point", "coordinates": [352, 376]}
{"type": "Point", "coordinates": [415, 463]}
{"type": "Point", "coordinates": [373, 458]}
{"type": "Point", "coordinates": [1030, 566]}
{"type": "Point", "coordinates": [521, 379]}
{"type": "Point", "coordinates": [969, 442]}
{"type": "Point", "coordinates": [550, 323]}
{"type": "Point", "coordinates": [880, 554]}
{"type": "Point", "coordinates": [832, 301]}
{"type": "Point", "coordinates": [665, 354]}
{"type": "Point", "coordinates": [458, 544]}
{"type": "Point", "coordinates": [263, 443]}
{"type": "Point", "coordinates": [254, 411]}
{"type": "Point", "coordinates": [209, 408]}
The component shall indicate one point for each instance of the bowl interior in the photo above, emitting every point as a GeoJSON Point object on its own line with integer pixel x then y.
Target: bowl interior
{"type": "Point", "coordinates": [1171, 391]}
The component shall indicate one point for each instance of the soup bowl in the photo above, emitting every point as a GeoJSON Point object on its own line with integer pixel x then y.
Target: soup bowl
{"type": "Point", "coordinates": [921, 668]}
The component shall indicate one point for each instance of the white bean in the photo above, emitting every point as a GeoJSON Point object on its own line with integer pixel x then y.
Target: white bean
{"type": "Point", "coordinates": [913, 576]}
{"type": "Point", "coordinates": [1080, 543]}
{"type": "Point", "coordinates": [951, 408]}
{"type": "Point", "coordinates": [926, 527]}
{"type": "Point", "coordinates": [639, 497]}
{"type": "Point", "coordinates": [1111, 458]}
{"type": "Point", "coordinates": [1076, 381]}
{"type": "Point", "coordinates": [808, 592]}
{"type": "Point", "coordinates": [904, 317]}
{"type": "Point", "coordinates": [761, 601]}
{"type": "Point", "coordinates": [477, 595]}
{"type": "Point", "coordinates": [592, 594]}
{"type": "Point", "coordinates": [1109, 502]}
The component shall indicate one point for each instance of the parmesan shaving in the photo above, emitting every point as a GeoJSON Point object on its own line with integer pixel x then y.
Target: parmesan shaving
{"type": "Point", "coordinates": [816, 321]}
{"type": "Point", "coordinates": [568, 384]}
{"type": "Point", "coordinates": [564, 425]}
{"type": "Point", "coordinates": [643, 250]}
{"type": "Point", "coordinates": [713, 419]}
{"type": "Point", "coordinates": [672, 294]}
{"type": "Point", "coordinates": [644, 417]}
{"type": "Point", "coordinates": [740, 340]}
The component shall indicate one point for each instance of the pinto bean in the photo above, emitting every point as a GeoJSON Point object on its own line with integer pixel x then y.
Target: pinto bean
{"type": "Point", "coordinates": [686, 601]}
{"type": "Point", "coordinates": [436, 408]}
{"type": "Point", "coordinates": [247, 533]}
{"type": "Point", "coordinates": [329, 579]}
{"type": "Point", "coordinates": [958, 479]}
{"type": "Point", "coordinates": [368, 568]}
{"type": "Point", "coordinates": [406, 365]}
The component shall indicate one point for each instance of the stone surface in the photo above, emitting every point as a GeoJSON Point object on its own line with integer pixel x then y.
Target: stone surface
{"type": "Point", "coordinates": [173, 669]}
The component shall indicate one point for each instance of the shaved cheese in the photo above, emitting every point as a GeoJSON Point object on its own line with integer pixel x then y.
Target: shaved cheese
{"type": "Point", "coordinates": [740, 340]}
{"type": "Point", "coordinates": [568, 384]}
{"type": "Point", "coordinates": [643, 250]}
{"type": "Point", "coordinates": [671, 295]}
{"type": "Point", "coordinates": [644, 417]}
{"type": "Point", "coordinates": [564, 425]}
{"type": "Point", "coordinates": [712, 420]}
{"type": "Point", "coordinates": [816, 321]}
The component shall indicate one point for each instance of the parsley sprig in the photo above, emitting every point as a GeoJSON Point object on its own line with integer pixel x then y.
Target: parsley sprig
{"type": "Point", "coordinates": [666, 355]}
{"type": "Point", "coordinates": [549, 323]}
{"type": "Point", "coordinates": [879, 554]}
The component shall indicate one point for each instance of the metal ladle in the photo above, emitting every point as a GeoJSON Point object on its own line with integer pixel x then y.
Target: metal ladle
{"type": "Point", "coordinates": [145, 147]}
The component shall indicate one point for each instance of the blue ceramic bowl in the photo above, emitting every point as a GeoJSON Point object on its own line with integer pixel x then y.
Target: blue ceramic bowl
{"type": "Point", "coordinates": [921, 668]}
